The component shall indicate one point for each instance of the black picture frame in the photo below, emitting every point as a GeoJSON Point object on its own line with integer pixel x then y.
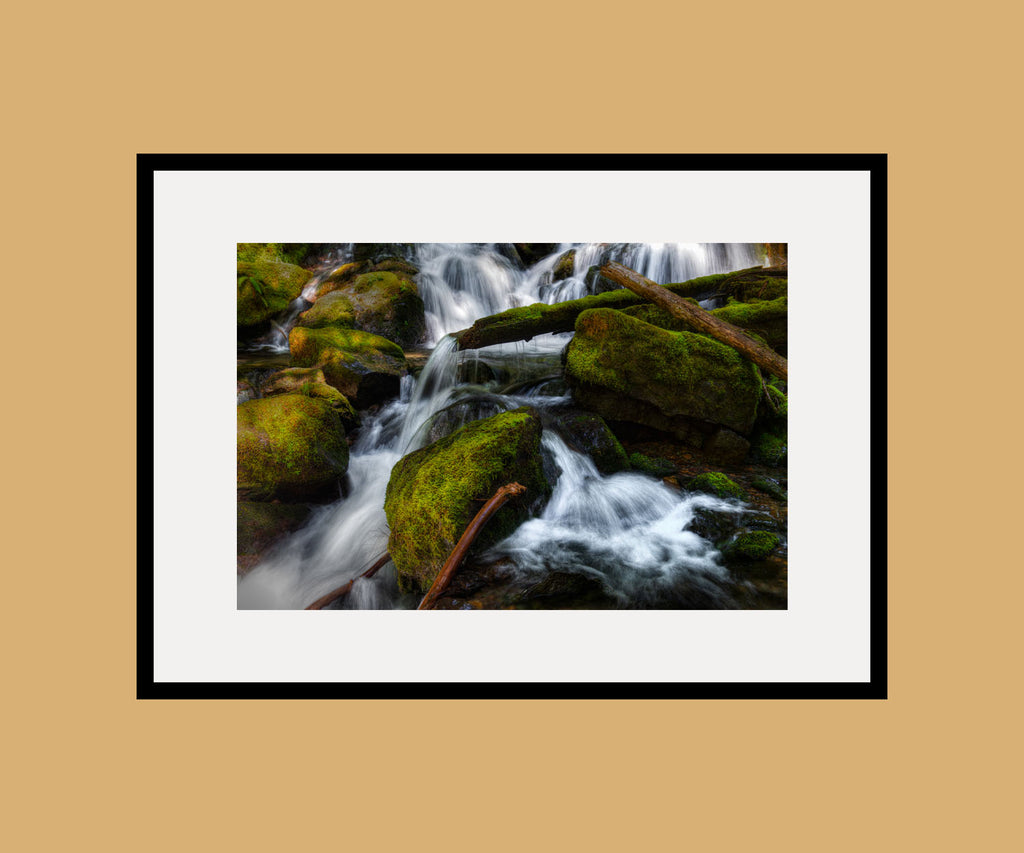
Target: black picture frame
{"type": "Point", "coordinates": [147, 687]}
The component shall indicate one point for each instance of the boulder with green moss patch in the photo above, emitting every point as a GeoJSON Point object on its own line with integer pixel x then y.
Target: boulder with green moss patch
{"type": "Point", "coordinates": [627, 370]}
{"type": "Point", "coordinates": [564, 266]}
{"type": "Point", "coordinates": [265, 289]}
{"type": "Point", "coordinates": [334, 309]}
{"type": "Point", "coordinates": [655, 466]}
{"type": "Point", "coordinates": [290, 447]}
{"type": "Point", "coordinates": [755, 545]}
{"type": "Point", "coordinates": [340, 276]}
{"type": "Point", "coordinates": [717, 484]}
{"type": "Point", "coordinates": [364, 367]}
{"type": "Point", "coordinates": [310, 382]}
{"type": "Point", "coordinates": [435, 492]}
{"type": "Point", "coordinates": [387, 304]}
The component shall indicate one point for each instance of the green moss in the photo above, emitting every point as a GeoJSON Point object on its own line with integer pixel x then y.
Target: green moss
{"type": "Point", "coordinates": [769, 319]}
{"type": "Point", "coordinates": [653, 465]}
{"type": "Point", "coordinates": [755, 545]}
{"type": "Point", "coordinates": [678, 373]}
{"type": "Point", "coordinates": [716, 483]}
{"type": "Point", "coordinates": [771, 447]}
{"type": "Point", "coordinates": [309, 345]}
{"type": "Point", "coordinates": [289, 253]}
{"type": "Point", "coordinates": [266, 288]}
{"type": "Point", "coordinates": [770, 487]}
{"type": "Point", "coordinates": [590, 434]}
{"type": "Point", "coordinates": [564, 266]}
{"type": "Point", "coordinates": [385, 303]}
{"type": "Point", "coordinates": [290, 446]}
{"type": "Point", "coordinates": [435, 492]}
{"type": "Point", "coordinates": [334, 309]}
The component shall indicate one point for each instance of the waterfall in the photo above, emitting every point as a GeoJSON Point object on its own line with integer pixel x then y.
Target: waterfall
{"type": "Point", "coordinates": [627, 529]}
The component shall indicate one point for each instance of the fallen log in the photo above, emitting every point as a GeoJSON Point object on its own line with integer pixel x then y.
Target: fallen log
{"type": "Point", "coordinates": [345, 588]}
{"type": "Point", "coordinates": [456, 557]}
{"type": "Point", "coordinates": [697, 318]}
{"type": "Point", "coordinates": [525, 323]}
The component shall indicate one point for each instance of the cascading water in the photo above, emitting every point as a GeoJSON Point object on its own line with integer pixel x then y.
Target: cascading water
{"type": "Point", "coordinates": [627, 531]}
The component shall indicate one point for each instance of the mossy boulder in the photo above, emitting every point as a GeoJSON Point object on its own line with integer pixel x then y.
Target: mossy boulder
{"type": "Point", "coordinates": [755, 545]}
{"type": "Point", "coordinates": [265, 289]}
{"type": "Point", "coordinates": [334, 309]}
{"type": "Point", "coordinates": [387, 304]}
{"type": "Point", "coordinates": [717, 484]}
{"type": "Point", "coordinates": [290, 447]}
{"type": "Point", "coordinates": [435, 492]}
{"type": "Point", "coordinates": [375, 252]}
{"type": "Point", "coordinates": [340, 276]}
{"type": "Point", "coordinates": [398, 265]}
{"type": "Point", "coordinates": [260, 525]}
{"type": "Point", "coordinates": [310, 382]}
{"type": "Point", "coordinates": [628, 370]}
{"type": "Point", "coordinates": [589, 434]}
{"type": "Point", "coordinates": [366, 368]}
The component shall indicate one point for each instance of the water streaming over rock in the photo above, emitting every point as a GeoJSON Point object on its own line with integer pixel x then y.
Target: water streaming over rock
{"type": "Point", "coordinates": [627, 531]}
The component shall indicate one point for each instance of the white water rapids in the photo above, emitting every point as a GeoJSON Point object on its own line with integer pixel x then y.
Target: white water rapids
{"type": "Point", "coordinates": [627, 530]}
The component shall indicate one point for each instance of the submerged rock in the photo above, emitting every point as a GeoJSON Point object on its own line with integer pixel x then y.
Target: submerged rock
{"type": "Point", "coordinates": [265, 289]}
{"type": "Point", "coordinates": [290, 447]}
{"type": "Point", "coordinates": [628, 370]}
{"type": "Point", "coordinates": [366, 368]}
{"type": "Point", "coordinates": [435, 492]}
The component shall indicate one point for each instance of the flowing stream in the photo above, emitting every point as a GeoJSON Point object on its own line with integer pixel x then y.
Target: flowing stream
{"type": "Point", "coordinates": [626, 531]}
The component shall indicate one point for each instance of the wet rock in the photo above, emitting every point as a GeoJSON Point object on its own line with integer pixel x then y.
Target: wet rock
{"type": "Point", "coordinates": [533, 252]}
{"type": "Point", "coordinates": [260, 525]}
{"type": "Point", "coordinates": [375, 252]}
{"type": "Point", "coordinates": [435, 492]}
{"type": "Point", "coordinates": [656, 466]}
{"type": "Point", "coordinates": [589, 434]}
{"type": "Point", "coordinates": [341, 276]}
{"type": "Point", "coordinates": [334, 309]}
{"type": "Point", "coordinates": [755, 545]}
{"type": "Point", "coordinates": [770, 487]}
{"type": "Point", "coordinates": [310, 382]}
{"type": "Point", "coordinates": [564, 266]}
{"type": "Point", "coordinates": [290, 447]}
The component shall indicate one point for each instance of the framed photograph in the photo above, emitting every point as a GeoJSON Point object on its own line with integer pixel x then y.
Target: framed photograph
{"type": "Point", "coordinates": [583, 455]}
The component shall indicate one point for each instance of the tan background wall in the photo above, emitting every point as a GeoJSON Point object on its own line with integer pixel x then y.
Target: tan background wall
{"type": "Point", "coordinates": [89, 85]}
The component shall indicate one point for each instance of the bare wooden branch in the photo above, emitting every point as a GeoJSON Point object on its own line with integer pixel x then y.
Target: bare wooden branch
{"type": "Point", "coordinates": [344, 589]}
{"type": "Point", "coordinates": [456, 557]}
{"type": "Point", "coordinates": [697, 318]}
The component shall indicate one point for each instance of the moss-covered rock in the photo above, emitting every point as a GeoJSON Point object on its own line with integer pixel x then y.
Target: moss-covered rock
{"type": "Point", "coordinates": [289, 253]}
{"type": "Point", "coordinates": [717, 484]}
{"type": "Point", "coordinates": [265, 289]}
{"type": "Point", "coordinates": [655, 466]}
{"type": "Point", "coordinates": [435, 492]}
{"type": "Point", "coordinates": [755, 545]}
{"type": "Point", "coordinates": [334, 309]}
{"type": "Point", "coordinates": [340, 276]}
{"type": "Point", "coordinates": [364, 367]}
{"type": "Point", "coordinates": [386, 304]}
{"type": "Point", "coordinates": [290, 447]}
{"type": "Point", "coordinates": [767, 319]}
{"type": "Point", "coordinates": [397, 265]}
{"type": "Point", "coordinates": [589, 434]}
{"type": "Point", "coordinates": [375, 252]}
{"type": "Point", "coordinates": [260, 525]}
{"type": "Point", "coordinates": [564, 266]}
{"type": "Point", "coordinates": [310, 382]}
{"type": "Point", "coordinates": [627, 370]}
